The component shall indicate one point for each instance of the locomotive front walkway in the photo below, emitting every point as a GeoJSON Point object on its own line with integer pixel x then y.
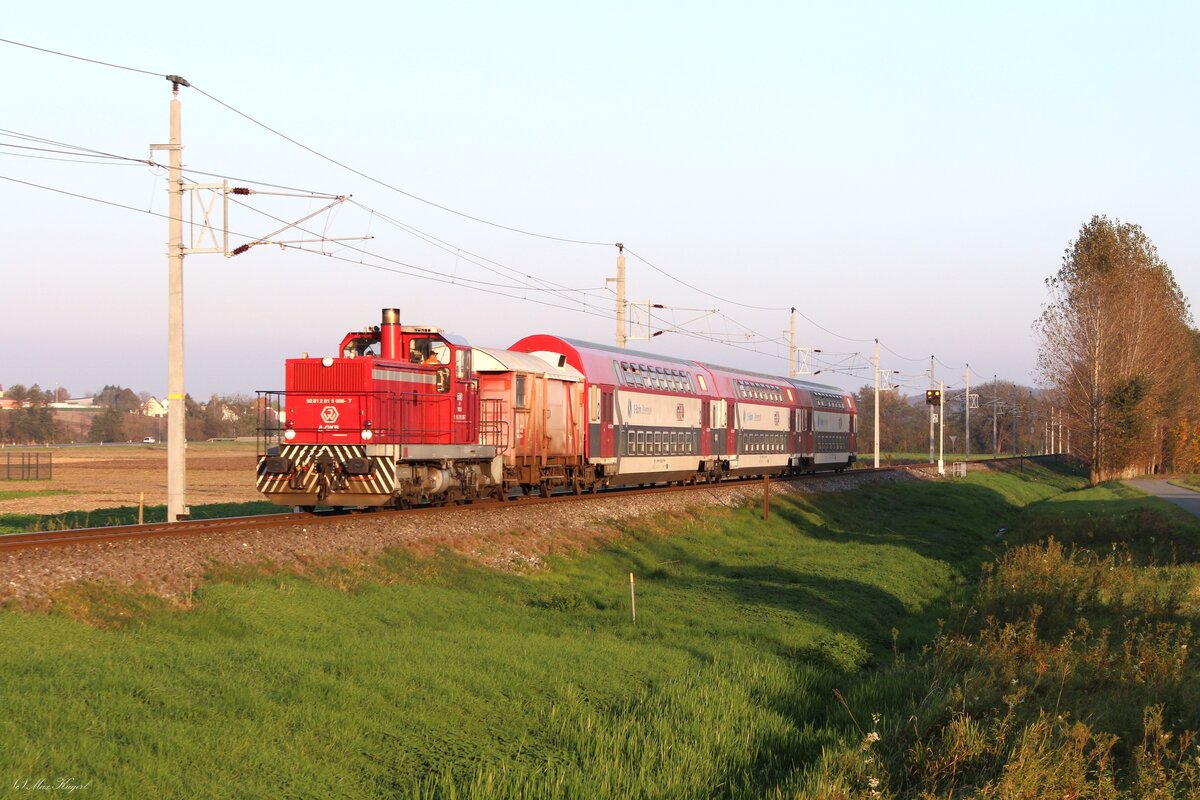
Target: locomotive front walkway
{"type": "Point", "coordinates": [1184, 498]}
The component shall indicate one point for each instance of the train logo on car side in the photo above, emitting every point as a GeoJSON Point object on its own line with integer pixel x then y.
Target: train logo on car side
{"type": "Point", "coordinates": [638, 409]}
{"type": "Point", "coordinates": [329, 415]}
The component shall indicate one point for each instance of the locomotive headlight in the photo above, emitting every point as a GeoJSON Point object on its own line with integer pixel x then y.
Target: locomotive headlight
{"type": "Point", "coordinates": [289, 434]}
{"type": "Point", "coordinates": [327, 361]}
{"type": "Point", "coordinates": [367, 434]}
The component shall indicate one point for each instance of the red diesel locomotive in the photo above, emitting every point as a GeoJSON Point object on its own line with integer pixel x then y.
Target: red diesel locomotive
{"type": "Point", "coordinates": [412, 414]}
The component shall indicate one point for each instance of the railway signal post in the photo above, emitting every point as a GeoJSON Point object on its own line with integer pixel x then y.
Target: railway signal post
{"type": "Point", "coordinates": [941, 428]}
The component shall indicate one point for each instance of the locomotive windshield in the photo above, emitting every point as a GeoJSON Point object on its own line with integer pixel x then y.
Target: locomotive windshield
{"type": "Point", "coordinates": [428, 351]}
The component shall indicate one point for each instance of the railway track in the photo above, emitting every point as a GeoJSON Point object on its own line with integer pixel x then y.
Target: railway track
{"type": "Point", "coordinates": [113, 533]}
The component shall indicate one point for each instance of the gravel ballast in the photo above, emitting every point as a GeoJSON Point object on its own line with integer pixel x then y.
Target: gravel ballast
{"type": "Point", "coordinates": [514, 537]}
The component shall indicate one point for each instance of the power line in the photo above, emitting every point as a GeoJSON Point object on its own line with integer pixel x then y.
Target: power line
{"type": "Point", "coordinates": [321, 155]}
{"type": "Point", "coordinates": [394, 188]}
{"type": "Point", "coordinates": [897, 355]}
{"type": "Point", "coordinates": [419, 271]}
{"type": "Point", "coordinates": [81, 58]}
{"type": "Point", "coordinates": [413, 196]}
{"type": "Point", "coordinates": [452, 248]}
{"type": "Point", "coordinates": [471, 257]}
{"type": "Point", "coordinates": [446, 280]}
{"type": "Point", "coordinates": [702, 291]}
{"type": "Point", "coordinates": [682, 282]}
{"type": "Point", "coordinates": [429, 238]}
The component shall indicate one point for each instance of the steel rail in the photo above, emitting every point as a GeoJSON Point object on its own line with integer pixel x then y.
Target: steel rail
{"type": "Point", "coordinates": [37, 539]}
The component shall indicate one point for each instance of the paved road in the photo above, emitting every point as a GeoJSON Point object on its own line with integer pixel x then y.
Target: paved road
{"type": "Point", "coordinates": [1184, 498]}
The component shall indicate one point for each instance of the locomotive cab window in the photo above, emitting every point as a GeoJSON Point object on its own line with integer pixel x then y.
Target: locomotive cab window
{"type": "Point", "coordinates": [428, 351]}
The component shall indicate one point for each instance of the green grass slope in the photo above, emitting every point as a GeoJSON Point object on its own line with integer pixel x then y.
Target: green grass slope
{"type": "Point", "coordinates": [437, 678]}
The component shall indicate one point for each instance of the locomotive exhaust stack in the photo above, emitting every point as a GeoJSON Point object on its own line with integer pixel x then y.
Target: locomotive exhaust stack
{"type": "Point", "coordinates": [389, 335]}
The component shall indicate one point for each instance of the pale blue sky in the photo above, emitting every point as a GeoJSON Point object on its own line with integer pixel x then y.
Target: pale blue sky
{"type": "Point", "coordinates": [911, 172]}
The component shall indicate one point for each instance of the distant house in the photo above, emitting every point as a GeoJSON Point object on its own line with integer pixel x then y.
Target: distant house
{"type": "Point", "coordinates": [153, 408]}
{"type": "Point", "coordinates": [7, 405]}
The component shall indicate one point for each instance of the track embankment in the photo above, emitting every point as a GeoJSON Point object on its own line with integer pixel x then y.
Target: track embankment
{"type": "Point", "coordinates": [513, 536]}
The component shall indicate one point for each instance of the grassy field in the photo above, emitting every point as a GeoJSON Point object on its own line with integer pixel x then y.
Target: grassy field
{"type": "Point", "coordinates": [123, 515]}
{"type": "Point", "coordinates": [1190, 481]}
{"type": "Point", "coordinates": [866, 458]}
{"type": "Point", "coordinates": [19, 494]}
{"type": "Point", "coordinates": [769, 659]}
{"type": "Point", "coordinates": [1068, 671]}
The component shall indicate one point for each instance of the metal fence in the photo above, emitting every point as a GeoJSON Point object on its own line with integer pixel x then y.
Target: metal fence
{"type": "Point", "coordinates": [26, 466]}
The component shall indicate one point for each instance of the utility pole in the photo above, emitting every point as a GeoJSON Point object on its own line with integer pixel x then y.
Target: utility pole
{"type": "Point", "coordinates": [792, 348]}
{"type": "Point", "coordinates": [995, 415]}
{"type": "Point", "coordinates": [799, 358]}
{"type": "Point", "coordinates": [176, 405]}
{"type": "Point", "coordinates": [1014, 415]}
{"type": "Point", "coordinates": [876, 404]}
{"type": "Point", "coordinates": [932, 385]}
{"type": "Point", "coordinates": [1032, 420]}
{"type": "Point", "coordinates": [941, 428]}
{"type": "Point", "coordinates": [620, 282]}
{"type": "Point", "coordinates": [967, 424]}
{"type": "Point", "coordinates": [176, 249]}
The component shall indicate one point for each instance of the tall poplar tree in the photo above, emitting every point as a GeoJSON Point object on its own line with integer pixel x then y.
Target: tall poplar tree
{"type": "Point", "coordinates": [1116, 347]}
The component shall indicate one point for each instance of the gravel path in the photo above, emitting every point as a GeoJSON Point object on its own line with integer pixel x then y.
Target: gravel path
{"type": "Point", "coordinates": [512, 537]}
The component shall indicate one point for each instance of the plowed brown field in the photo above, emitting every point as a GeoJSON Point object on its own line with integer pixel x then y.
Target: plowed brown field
{"type": "Point", "coordinates": [110, 476]}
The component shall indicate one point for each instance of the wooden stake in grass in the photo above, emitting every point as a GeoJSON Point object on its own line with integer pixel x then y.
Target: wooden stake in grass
{"type": "Point", "coordinates": [632, 600]}
{"type": "Point", "coordinates": [141, 506]}
{"type": "Point", "coordinates": [766, 497]}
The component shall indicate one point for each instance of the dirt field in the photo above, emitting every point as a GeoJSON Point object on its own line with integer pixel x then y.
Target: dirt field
{"type": "Point", "coordinates": [110, 476]}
